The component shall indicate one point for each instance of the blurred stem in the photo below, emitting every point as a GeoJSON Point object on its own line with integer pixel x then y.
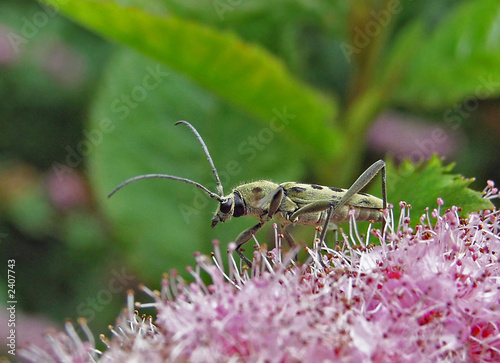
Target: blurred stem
{"type": "Point", "coordinates": [370, 88]}
{"type": "Point", "coordinates": [368, 60]}
{"type": "Point", "coordinates": [365, 107]}
{"type": "Point", "coordinates": [358, 118]}
{"type": "Point", "coordinates": [361, 113]}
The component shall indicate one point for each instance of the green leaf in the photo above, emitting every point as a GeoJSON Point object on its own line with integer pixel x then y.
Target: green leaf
{"type": "Point", "coordinates": [420, 185]}
{"type": "Point", "coordinates": [459, 59]}
{"type": "Point", "coordinates": [161, 223]}
{"type": "Point", "coordinates": [403, 49]}
{"type": "Point", "coordinates": [244, 74]}
{"type": "Point", "coordinates": [31, 212]}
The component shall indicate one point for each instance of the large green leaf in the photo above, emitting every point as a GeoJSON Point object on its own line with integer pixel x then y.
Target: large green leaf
{"type": "Point", "coordinates": [162, 222]}
{"type": "Point", "coordinates": [459, 59]}
{"type": "Point", "coordinates": [420, 185]}
{"type": "Point", "coordinates": [245, 74]}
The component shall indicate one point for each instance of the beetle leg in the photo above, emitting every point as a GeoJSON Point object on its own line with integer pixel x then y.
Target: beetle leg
{"type": "Point", "coordinates": [276, 198]}
{"type": "Point", "coordinates": [289, 239]}
{"type": "Point", "coordinates": [325, 226]}
{"type": "Point", "coordinates": [356, 187]}
{"type": "Point", "coordinates": [317, 206]}
{"type": "Point", "coordinates": [276, 201]}
{"type": "Point", "coordinates": [288, 236]}
{"type": "Point", "coordinates": [359, 184]}
{"type": "Point", "coordinates": [243, 238]}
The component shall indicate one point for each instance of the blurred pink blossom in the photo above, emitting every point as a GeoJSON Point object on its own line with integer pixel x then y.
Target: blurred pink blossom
{"type": "Point", "coordinates": [68, 190]}
{"type": "Point", "coordinates": [65, 65]}
{"type": "Point", "coordinates": [8, 54]}
{"type": "Point", "coordinates": [409, 137]}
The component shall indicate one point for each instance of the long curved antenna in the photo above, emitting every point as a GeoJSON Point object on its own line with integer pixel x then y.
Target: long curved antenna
{"type": "Point", "coordinates": [164, 176]}
{"type": "Point", "coordinates": [209, 158]}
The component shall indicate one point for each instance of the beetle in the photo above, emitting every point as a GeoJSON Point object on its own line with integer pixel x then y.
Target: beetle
{"type": "Point", "coordinates": [291, 203]}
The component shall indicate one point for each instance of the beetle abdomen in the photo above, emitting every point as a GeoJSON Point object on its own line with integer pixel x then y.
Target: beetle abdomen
{"type": "Point", "coordinates": [361, 214]}
{"type": "Point", "coordinates": [342, 215]}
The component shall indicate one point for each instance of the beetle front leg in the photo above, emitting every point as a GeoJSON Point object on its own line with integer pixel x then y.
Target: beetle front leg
{"type": "Point", "coordinates": [244, 237]}
{"type": "Point", "coordinates": [274, 199]}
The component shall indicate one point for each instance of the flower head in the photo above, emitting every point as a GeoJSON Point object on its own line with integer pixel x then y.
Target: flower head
{"type": "Point", "coordinates": [406, 294]}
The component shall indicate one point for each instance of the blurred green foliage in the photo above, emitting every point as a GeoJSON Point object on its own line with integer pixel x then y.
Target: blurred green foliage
{"type": "Point", "coordinates": [279, 90]}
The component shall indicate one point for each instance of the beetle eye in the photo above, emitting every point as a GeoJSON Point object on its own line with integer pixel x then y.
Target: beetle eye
{"type": "Point", "coordinates": [225, 207]}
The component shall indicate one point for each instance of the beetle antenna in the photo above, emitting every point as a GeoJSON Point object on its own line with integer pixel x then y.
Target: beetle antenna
{"type": "Point", "coordinates": [209, 158]}
{"type": "Point", "coordinates": [164, 176]}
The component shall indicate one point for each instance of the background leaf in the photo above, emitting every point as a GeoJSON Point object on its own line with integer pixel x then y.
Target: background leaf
{"type": "Point", "coordinates": [245, 74]}
{"type": "Point", "coordinates": [459, 59]}
{"type": "Point", "coordinates": [420, 185]}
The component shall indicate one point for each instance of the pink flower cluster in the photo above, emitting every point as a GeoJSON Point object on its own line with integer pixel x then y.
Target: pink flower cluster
{"type": "Point", "coordinates": [429, 293]}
